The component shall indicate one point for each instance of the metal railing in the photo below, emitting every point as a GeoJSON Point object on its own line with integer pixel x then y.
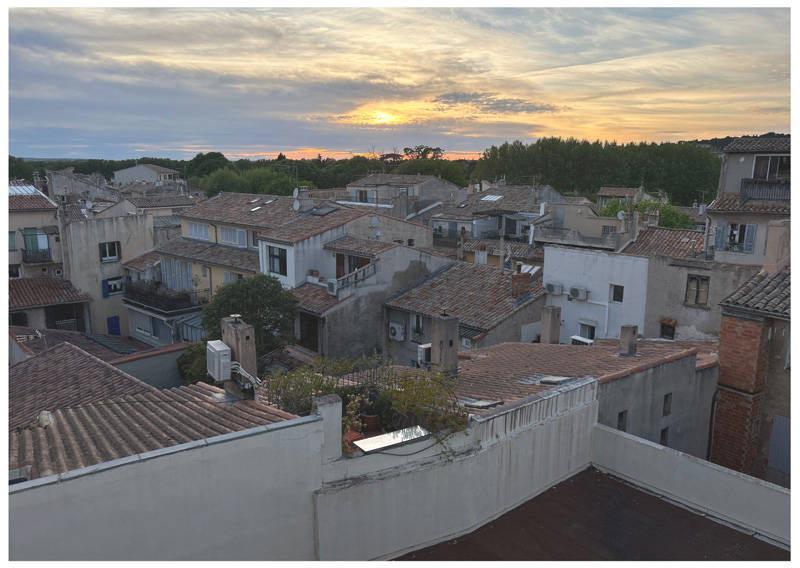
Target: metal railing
{"type": "Point", "coordinates": [68, 325]}
{"type": "Point", "coordinates": [765, 189]}
{"type": "Point", "coordinates": [37, 256]}
{"type": "Point", "coordinates": [159, 298]}
{"type": "Point", "coordinates": [572, 237]}
{"type": "Point", "coordinates": [356, 276]}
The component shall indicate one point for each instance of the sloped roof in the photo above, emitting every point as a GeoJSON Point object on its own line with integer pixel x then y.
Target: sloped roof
{"type": "Point", "coordinates": [134, 424]}
{"type": "Point", "coordinates": [237, 209]}
{"type": "Point", "coordinates": [392, 179]}
{"type": "Point", "coordinates": [747, 145]}
{"type": "Point", "coordinates": [768, 294]}
{"type": "Point", "coordinates": [674, 243]}
{"type": "Point", "coordinates": [159, 169]}
{"type": "Point", "coordinates": [509, 199]}
{"type": "Point", "coordinates": [36, 292]}
{"type": "Point", "coordinates": [309, 224]}
{"type": "Point", "coordinates": [618, 191]}
{"type": "Point", "coordinates": [204, 252]}
{"type": "Point", "coordinates": [162, 201]}
{"type": "Point", "coordinates": [479, 295]}
{"type": "Point", "coordinates": [140, 263]}
{"type": "Point", "coordinates": [730, 202]}
{"type": "Point", "coordinates": [74, 213]}
{"type": "Point", "coordinates": [38, 202]}
{"type": "Point", "coordinates": [61, 377]}
{"type": "Point", "coordinates": [166, 221]}
{"type": "Point", "coordinates": [518, 250]}
{"type": "Point", "coordinates": [315, 299]}
{"type": "Point", "coordinates": [493, 373]}
{"type": "Point", "coordinates": [360, 246]}
{"type": "Point", "coordinates": [692, 212]}
{"type": "Point", "coordinates": [104, 347]}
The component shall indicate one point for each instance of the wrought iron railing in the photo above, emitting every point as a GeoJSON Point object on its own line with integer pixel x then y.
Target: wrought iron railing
{"type": "Point", "coordinates": [157, 297]}
{"type": "Point", "coordinates": [36, 256]}
{"type": "Point", "coordinates": [573, 237]}
{"type": "Point", "coordinates": [765, 189]}
{"type": "Point", "coordinates": [356, 276]}
{"type": "Point", "coordinates": [68, 325]}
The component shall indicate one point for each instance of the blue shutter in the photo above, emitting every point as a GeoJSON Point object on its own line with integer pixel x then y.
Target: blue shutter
{"type": "Point", "coordinates": [722, 235]}
{"type": "Point", "coordinates": [750, 238]}
{"type": "Point", "coordinates": [105, 288]}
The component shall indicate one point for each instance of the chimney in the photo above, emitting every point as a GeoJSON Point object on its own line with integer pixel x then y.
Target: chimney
{"type": "Point", "coordinates": [461, 245]}
{"type": "Point", "coordinates": [444, 342]}
{"type": "Point", "coordinates": [627, 340]}
{"type": "Point", "coordinates": [778, 246]}
{"type": "Point", "coordinates": [702, 211]}
{"type": "Point", "coordinates": [240, 337]}
{"type": "Point", "coordinates": [481, 256]}
{"type": "Point", "coordinates": [551, 324]}
{"type": "Point", "coordinates": [520, 285]}
{"type": "Point", "coordinates": [306, 202]}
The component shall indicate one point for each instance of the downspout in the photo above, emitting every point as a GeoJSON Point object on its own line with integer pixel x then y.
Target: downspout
{"type": "Point", "coordinates": [711, 425]}
{"type": "Point", "coordinates": [89, 308]}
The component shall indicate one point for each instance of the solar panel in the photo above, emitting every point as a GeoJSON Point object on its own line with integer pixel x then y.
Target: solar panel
{"type": "Point", "coordinates": [110, 343]}
{"type": "Point", "coordinates": [491, 198]}
{"type": "Point", "coordinates": [391, 439]}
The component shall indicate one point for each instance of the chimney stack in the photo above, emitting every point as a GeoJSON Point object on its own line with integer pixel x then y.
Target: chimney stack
{"type": "Point", "coordinates": [551, 324]}
{"type": "Point", "coordinates": [240, 337]}
{"type": "Point", "coordinates": [444, 342]}
{"type": "Point", "coordinates": [778, 246]}
{"type": "Point", "coordinates": [520, 285]}
{"type": "Point", "coordinates": [627, 340]}
{"type": "Point", "coordinates": [306, 202]}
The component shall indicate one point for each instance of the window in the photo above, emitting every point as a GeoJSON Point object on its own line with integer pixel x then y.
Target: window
{"type": "Point", "coordinates": [277, 261]}
{"type": "Point", "coordinates": [735, 237]}
{"type": "Point", "coordinates": [18, 318]}
{"type": "Point", "coordinates": [587, 331]}
{"type": "Point", "coordinates": [34, 240]}
{"type": "Point", "coordinates": [13, 271]}
{"type": "Point", "coordinates": [112, 286]}
{"type": "Point", "coordinates": [411, 242]}
{"type": "Point", "coordinates": [622, 421]}
{"type": "Point", "coordinates": [617, 293]}
{"type": "Point", "coordinates": [109, 251]}
{"type": "Point", "coordinates": [233, 236]}
{"type": "Point", "coordinates": [697, 290]}
{"type": "Point", "coordinates": [772, 167]}
{"type": "Point", "coordinates": [12, 240]}
{"type": "Point", "coordinates": [667, 409]}
{"type": "Point", "coordinates": [232, 277]}
{"type": "Point", "coordinates": [418, 328]}
{"type": "Point", "coordinates": [609, 230]}
{"type": "Point", "coordinates": [667, 331]}
{"type": "Point", "coordinates": [665, 436]}
{"type": "Point", "coordinates": [198, 231]}
{"type": "Point", "coordinates": [252, 242]}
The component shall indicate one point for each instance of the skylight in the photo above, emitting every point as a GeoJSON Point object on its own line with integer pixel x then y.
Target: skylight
{"type": "Point", "coordinates": [491, 198]}
{"type": "Point", "coordinates": [255, 208]}
{"type": "Point", "coordinates": [254, 200]}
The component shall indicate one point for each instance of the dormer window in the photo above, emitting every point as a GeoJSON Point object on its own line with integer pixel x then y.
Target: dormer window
{"type": "Point", "coordinates": [772, 167]}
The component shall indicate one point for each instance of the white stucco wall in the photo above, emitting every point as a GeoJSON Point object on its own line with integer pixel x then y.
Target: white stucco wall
{"type": "Point", "coordinates": [596, 271]}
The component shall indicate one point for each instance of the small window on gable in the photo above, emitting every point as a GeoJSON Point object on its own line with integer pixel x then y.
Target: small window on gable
{"type": "Point", "coordinates": [665, 436]}
{"type": "Point", "coordinates": [667, 331]}
{"type": "Point", "coordinates": [667, 408]}
{"type": "Point", "coordinates": [697, 290]}
{"type": "Point", "coordinates": [109, 252]}
{"type": "Point", "coordinates": [617, 293]}
{"type": "Point", "coordinates": [622, 421]}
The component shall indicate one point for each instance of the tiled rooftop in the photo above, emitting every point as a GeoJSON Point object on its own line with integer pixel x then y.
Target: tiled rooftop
{"type": "Point", "coordinates": [238, 209]}
{"type": "Point", "coordinates": [309, 224]}
{"type": "Point", "coordinates": [731, 202]}
{"type": "Point", "coordinates": [479, 295]}
{"type": "Point", "coordinates": [748, 145]}
{"type": "Point", "coordinates": [159, 169]}
{"type": "Point", "coordinates": [104, 347]}
{"type": "Point", "coordinates": [134, 424]}
{"type": "Point", "coordinates": [393, 179]}
{"type": "Point", "coordinates": [510, 199]}
{"type": "Point", "coordinates": [692, 212]}
{"type": "Point", "coordinates": [209, 253]}
{"type": "Point", "coordinates": [38, 202]}
{"type": "Point", "coordinates": [674, 243]}
{"type": "Point", "coordinates": [764, 293]}
{"type": "Point", "coordinates": [163, 201]}
{"type": "Point", "coordinates": [166, 221]}
{"type": "Point", "coordinates": [61, 377]}
{"type": "Point", "coordinates": [314, 298]}
{"type": "Point", "coordinates": [360, 246]}
{"type": "Point", "coordinates": [493, 373]}
{"type": "Point", "coordinates": [139, 263]}
{"type": "Point", "coordinates": [518, 250]}
{"type": "Point", "coordinates": [618, 191]}
{"type": "Point", "coordinates": [36, 292]}
{"type": "Point", "coordinates": [73, 213]}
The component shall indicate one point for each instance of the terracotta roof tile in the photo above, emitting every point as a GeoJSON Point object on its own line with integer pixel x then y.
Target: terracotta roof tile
{"type": "Point", "coordinates": [73, 213]}
{"type": "Point", "coordinates": [315, 298]}
{"type": "Point", "coordinates": [692, 212]}
{"type": "Point", "coordinates": [731, 202]}
{"type": "Point", "coordinates": [36, 292]}
{"type": "Point", "coordinates": [162, 201]}
{"type": "Point", "coordinates": [518, 250]}
{"type": "Point", "coordinates": [674, 243]}
{"type": "Point", "coordinates": [479, 295]}
{"type": "Point", "coordinates": [30, 203]}
{"type": "Point", "coordinates": [205, 252]}
{"type": "Point", "coordinates": [96, 433]}
{"type": "Point", "coordinates": [140, 263]}
{"type": "Point", "coordinates": [237, 209]}
{"type": "Point", "coordinates": [360, 245]}
{"type": "Point", "coordinates": [747, 145]}
{"type": "Point", "coordinates": [618, 191]}
{"type": "Point", "coordinates": [309, 224]}
{"type": "Point", "coordinates": [512, 199]}
{"type": "Point", "coordinates": [768, 294]}
{"type": "Point", "coordinates": [61, 377]}
{"type": "Point", "coordinates": [393, 179]}
{"type": "Point", "coordinates": [104, 347]}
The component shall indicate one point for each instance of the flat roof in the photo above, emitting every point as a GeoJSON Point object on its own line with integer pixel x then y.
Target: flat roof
{"type": "Point", "coordinates": [595, 516]}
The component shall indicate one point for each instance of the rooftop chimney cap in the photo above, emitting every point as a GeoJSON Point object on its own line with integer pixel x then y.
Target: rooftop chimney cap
{"type": "Point", "coordinates": [444, 310]}
{"type": "Point", "coordinates": [236, 317]}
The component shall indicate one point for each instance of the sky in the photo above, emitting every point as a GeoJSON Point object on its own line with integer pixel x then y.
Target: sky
{"type": "Point", "coordinates": [250, 83]}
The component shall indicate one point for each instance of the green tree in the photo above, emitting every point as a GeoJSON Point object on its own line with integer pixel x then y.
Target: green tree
{"type": "Point", "coordinates": [448, 170]}
{"type": "Point", "coordinates": [20, 169]}
{"type": "Point", "coordinates": [205, 164]}
{"type": "Point", "coordinates": [262, 302]}
{"type": "Point", "coordinates": [668, 216]}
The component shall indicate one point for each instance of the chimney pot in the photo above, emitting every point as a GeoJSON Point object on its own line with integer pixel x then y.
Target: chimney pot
{"type": "Point", "coordinates": [520, 284]}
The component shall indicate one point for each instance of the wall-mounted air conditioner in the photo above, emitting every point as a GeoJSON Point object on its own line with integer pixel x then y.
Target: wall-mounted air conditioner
{"type": "Point", "coordinates": [333, 286]}
{"type": "Point", "coordinates": [577, 293]}
{"type": "Point", "coordinates": [218, 361]}
{"type": "Point", "coordinates": [397, 331]}
{"type": "Point", "coordinates": [424, 354]}
{"type": "Point", "coordinates": [578, 340]}
{"type": "Point", "coordinates": [553, 288]}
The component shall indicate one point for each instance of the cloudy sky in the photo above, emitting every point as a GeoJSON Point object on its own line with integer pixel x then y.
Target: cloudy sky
{"type": "Point", "coordinates": [122, 83]}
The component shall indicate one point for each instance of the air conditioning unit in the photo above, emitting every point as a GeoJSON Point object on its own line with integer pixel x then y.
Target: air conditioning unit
{"type": "Point", "coordinates": [553, 288]}
{"type": "Point", "coordinates": [577, 293]}
{"type": "Point", "coordinates": [218, 361]}
{"type": "Point", "coordinates": [333, 286]}
{"type": "Point", "coordinates": [578, 340]}
{"type": "Point", "coordinates": [397, 331]}
{"type": "Point", "coordinates": [424, 354]}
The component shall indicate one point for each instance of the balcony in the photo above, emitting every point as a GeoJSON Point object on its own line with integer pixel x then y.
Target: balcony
{"type": "Point", "coordinates": [765, 190]}
{"type": "Point", "coordinates": [159, 298]}
{"type": "Point", "coordinates": [356, 276]}
{"type": "Point", "coordinates": [37, 256]}
{"type": "Point", "coordinates": [67, 325]}
{"type": "Point", "coordinates": [573, 237]}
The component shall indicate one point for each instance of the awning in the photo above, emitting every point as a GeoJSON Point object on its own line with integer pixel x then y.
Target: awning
{"type": "Point", "coordinates": [668, 321]}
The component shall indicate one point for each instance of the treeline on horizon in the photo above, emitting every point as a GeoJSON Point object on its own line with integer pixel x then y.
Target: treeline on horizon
{"type": "Point", "coordinates": [683, 170]}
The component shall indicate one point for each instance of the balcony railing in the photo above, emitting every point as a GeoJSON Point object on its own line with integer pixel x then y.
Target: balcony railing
{"type": "Point", "coordinates": [36, 256]}
{"type": "Point", "coordinates": [356, 276]}
{"type": "Point", "coordinates": [765, 189]}
{"type": "Point", "coordinates": [573, 237]}
{"type": "Point", "coordinates": [155, 296]}
{"type": "Point", "coordinates": [68, 325]}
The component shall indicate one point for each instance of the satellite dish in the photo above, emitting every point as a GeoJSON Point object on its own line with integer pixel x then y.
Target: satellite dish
{"type": "Point", "coordinates": [373, 222]}
{"type": "Point", "coordinates": [296, 205]}
{"type": "Point", "coordinates": [295, 193]}
{"type": "Point", "coordinates": [620, 215]}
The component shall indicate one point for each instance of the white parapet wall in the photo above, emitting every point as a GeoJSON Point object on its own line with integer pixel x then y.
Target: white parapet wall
{"type": "Point", "coordinates": [721, 493]}
{"type": "Point", "coordinates": [382, 506]}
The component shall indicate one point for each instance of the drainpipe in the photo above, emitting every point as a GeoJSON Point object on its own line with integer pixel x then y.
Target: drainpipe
{"type": "Point", "coordinates": [711, 425]}
{"type": "Point", "coordinates": [89, 308]}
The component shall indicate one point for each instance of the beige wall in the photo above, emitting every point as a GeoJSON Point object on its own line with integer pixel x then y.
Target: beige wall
{"type": "Point", "coordinates": [21, 220]}
{"type": "Point", "coordinates": [392, 229]}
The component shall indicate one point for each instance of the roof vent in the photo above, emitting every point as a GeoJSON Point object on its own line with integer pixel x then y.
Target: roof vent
{"type": "Point", "coordinates": [480, 404]}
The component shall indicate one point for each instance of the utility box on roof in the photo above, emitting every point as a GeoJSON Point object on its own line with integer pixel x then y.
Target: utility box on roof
{"type": "Point", "coordinates": [218, 361]}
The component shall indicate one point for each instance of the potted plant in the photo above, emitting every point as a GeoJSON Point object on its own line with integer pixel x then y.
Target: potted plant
{"type": "Point", "coordinates": [369, 415]}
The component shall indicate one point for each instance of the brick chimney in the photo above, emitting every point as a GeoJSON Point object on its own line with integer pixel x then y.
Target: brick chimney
{"type": "Point", "coordinates": [627, 340]}
{"type": "Point", "coordinates": [240, 337]}
{"type": "Point", "coordinates": [444, 342]}
{"type": "Point", "coordinates": [520, 285]}
{"type": "Point", "coordinates": [551, 324]}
